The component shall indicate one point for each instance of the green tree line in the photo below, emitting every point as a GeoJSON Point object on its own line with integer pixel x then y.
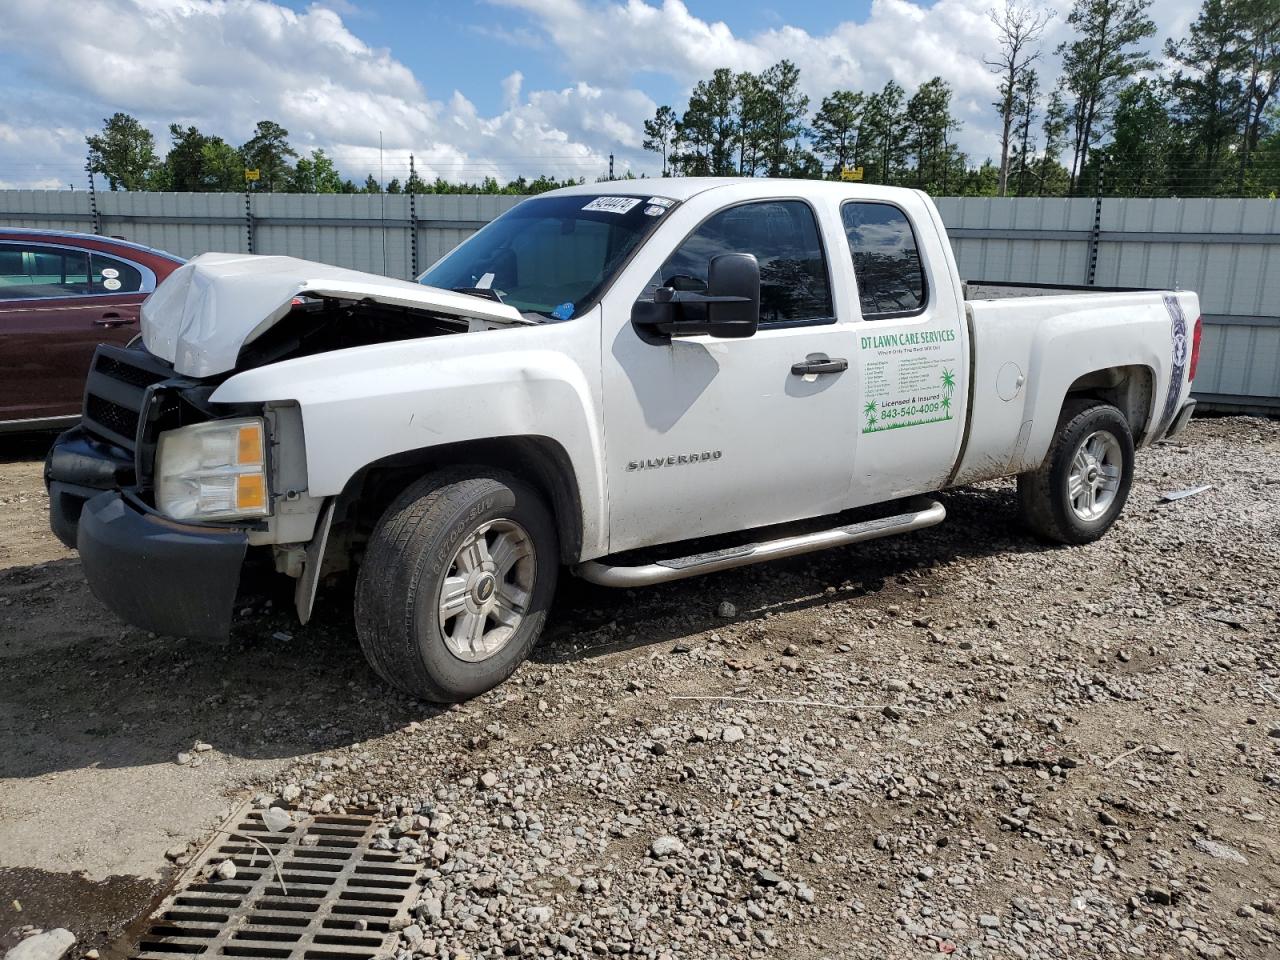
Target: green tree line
{"type": "Point", "coordinates": [1114, 122]}
{"type": "Point", "coordinates": [125, 154]}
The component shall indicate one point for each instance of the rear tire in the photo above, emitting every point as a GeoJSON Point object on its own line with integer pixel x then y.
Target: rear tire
{"type": "Point", "coordinates": [1078, 492]}
{"type": "Point", "coordinates": [456, 583]}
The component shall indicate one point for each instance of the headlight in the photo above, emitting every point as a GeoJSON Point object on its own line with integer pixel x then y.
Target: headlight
{"type": "Point", "coordinates": [213, 471]}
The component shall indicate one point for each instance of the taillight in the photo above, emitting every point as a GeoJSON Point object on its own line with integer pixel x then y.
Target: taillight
{"type": "Point", "coordinates": [1195, 349]}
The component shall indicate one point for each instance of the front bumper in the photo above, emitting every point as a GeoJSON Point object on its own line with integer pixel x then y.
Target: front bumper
{"type": "Point", "coordinates": [158, 574]}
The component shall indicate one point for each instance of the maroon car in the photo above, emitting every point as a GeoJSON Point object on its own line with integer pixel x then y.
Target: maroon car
{"type": "Point", "coordinates": [61, 294]}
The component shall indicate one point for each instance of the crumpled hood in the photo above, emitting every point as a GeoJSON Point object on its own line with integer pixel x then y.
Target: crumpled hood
{"type": "Point", "coordinates": [200, 316]}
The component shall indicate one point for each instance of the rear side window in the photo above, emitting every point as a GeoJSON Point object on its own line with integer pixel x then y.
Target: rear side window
{"type": "Point", "coordinates": [28, 272]}
{"type": "Point", "coordinates": [783, 236]}
{"type": "Point", "coordinates": [115, 276]}
{"type": "Point", "coordinates": [886, 260]}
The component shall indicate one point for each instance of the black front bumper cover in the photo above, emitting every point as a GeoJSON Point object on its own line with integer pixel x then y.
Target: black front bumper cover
{"type": "Point", "coordinates": [158, 574]}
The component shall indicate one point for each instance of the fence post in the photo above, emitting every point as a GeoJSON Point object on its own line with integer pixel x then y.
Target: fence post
{"type": "Point", "coordinates": [248, 219]}
{"type": "Point", "coordinates": [413, 223]}
{"type": "Point", "coordinates": [93, 199]}
{"type": "Point", "coordinates": [1096, 233]}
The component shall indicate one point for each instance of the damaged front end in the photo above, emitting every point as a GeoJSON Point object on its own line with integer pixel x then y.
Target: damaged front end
{"type": "Point", "coordinates": [164, 492]}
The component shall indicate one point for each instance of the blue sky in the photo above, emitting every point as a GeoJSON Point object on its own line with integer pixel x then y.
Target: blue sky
{"type": "Point", "coordinates": [495, 87]}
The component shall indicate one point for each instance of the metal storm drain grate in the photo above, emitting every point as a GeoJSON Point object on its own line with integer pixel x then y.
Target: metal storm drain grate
{"type": "Point", "coordinates": [342, 896]}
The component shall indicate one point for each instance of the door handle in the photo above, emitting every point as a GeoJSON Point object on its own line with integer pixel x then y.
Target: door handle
{"type": "Point", "coordinates": [112, 320]}
{"type": "Point", "coordinates": [819, 363]}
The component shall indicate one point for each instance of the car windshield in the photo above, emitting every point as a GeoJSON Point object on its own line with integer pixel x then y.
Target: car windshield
{"type": "Point", "coordinates": [551, 257]}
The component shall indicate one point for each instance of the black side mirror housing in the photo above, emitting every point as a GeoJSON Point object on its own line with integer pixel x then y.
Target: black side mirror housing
{"type": "Point", "coordinates": [730, 308]}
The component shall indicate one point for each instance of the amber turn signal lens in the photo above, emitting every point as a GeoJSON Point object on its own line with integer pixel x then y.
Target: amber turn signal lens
{"type": "Point", "coordinates": [251, 492]}
{"type": "Point", "coordinates": [249, 445]}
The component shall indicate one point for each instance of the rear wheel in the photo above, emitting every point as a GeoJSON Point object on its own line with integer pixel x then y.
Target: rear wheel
{"type": "Point", "coordinates": [1078, 492]}
{"type": "Point", "coordinates": [456, 583]}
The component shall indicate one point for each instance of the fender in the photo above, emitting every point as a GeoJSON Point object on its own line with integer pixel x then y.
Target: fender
{"type": "Point", "coordinates": [368, 403]}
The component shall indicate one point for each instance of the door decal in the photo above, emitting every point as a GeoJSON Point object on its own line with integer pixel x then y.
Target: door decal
{"type": "Point", "coordinates": [909, 378]}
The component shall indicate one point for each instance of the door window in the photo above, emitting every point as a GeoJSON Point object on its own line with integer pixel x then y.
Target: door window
{"type": "Point", "coordinates": [28, 272]}
{"type": "Point", "coordinates": [783, 236]}
{"type": "Point", "coordinates": [886, 260]}
{"type": "Point", "coordinates": [115, 276]}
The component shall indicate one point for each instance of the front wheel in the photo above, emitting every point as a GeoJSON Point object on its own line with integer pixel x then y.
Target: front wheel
{"type": "Point", "coordinates": [456, 583]}
{"type": "Point", "coordinates": [1078, 492]}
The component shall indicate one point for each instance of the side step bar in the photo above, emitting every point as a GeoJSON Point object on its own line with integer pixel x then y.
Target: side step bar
{"type": "Point", "coordinates": [923, 513]}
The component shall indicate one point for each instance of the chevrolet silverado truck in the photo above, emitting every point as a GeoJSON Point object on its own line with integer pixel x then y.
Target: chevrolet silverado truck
{"type": "Point", "coordinates": [639, 381]}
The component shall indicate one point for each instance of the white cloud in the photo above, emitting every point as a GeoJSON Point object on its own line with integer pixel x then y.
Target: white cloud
{"type": "Point", "coordinates": [224, 64]}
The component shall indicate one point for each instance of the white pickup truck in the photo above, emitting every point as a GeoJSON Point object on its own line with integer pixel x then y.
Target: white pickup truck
{"type": "Point", "coordinates": [598, 377]}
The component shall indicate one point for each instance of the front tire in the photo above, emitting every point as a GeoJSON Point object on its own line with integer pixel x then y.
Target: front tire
{"type": "Point", "coordinates": [1078, 492]}
{"type": "Point", "coordinates": [456, 583]}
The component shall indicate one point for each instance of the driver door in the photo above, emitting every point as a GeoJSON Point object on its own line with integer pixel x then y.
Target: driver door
{"type": "Point", "coordinates": [707, 436]}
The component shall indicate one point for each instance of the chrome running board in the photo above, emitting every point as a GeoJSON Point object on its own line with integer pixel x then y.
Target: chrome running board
{"type": "Point", "coordinates": [924, 513]}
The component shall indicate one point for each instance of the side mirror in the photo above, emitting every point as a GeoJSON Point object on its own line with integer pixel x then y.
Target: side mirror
{"type": "Point", "coordinates": [730, 308]}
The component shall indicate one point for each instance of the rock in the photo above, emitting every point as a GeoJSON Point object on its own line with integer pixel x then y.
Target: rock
{"type": "Point", "coordinates": [412, 935]}
{"type": "Point", "coordinates": [666, 847]}
{"type": "Point", "coordinates": [1219, 851]}
{"type": "Point", "coordinates": [182, 759]}
{"type": "Point", "coordinates": [731, 734]}
{"type": "Point", "coordinates": [988, 921]}
{"type": "Point", "coordinates": [726, 610]}
{"type": "Point", "coordinates": [50, 945]}
{"type": "Point", "coordinates": [277, 819]}
{"type": "Point", "coordinates": [1160, 895]}
{"type": "Point", "coordinates": [539, 915]}
{"type": "Point", "coordinates": [202, 747]}
{"type": "Point", "coordinates": [290, 793]}
{"type": "Point", "coordinates": [768, 878]}
{"type": "Point", "coordinates": [488, 780]}
{"type": "Point", "coordinates": [804, 893]}
{"type": "Point", "coordinates": [226, 870]}
{"type": "Point", "coordinates": [173, 853]}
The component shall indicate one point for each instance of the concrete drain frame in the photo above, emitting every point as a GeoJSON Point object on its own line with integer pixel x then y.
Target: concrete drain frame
{"type": "Point", "coordinates": [342, 895]}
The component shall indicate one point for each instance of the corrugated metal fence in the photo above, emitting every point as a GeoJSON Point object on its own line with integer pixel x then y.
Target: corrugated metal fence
{"type": "Point", "coordinates": [1227, 250]}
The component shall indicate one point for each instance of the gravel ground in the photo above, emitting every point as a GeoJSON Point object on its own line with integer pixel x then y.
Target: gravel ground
{"type": "Point", "coordinates": [976, 744]}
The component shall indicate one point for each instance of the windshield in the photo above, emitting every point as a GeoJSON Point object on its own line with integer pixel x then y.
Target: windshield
{"type": "Point", "coordinates": [551, 256]}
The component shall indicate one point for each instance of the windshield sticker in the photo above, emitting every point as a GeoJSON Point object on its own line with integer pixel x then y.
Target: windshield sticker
{"type": "Point", "coordinates": [908, 378]}
{"type": "Point", "coordinates": [613, 204]}
{"type": "Point", "coordinates": [563, 312]}
{"type": "Point", "coordinates": [654, 211]}
{"type": "Point", "coordinates": [111, 283]}
{"type": "Point", "coordinates": [660, 202]}
{"type": "Point", "coordinates": [110, 272]}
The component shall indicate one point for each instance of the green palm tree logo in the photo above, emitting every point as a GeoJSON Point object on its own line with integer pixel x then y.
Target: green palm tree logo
{"type": "Point", "coordinates": [948, 382]}
{"type": "Point", "coordinates": [946, 404]}
{"type": "Point", "coordinates": [870, 411]}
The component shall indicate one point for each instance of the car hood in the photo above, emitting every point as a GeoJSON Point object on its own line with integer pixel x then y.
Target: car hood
{"type": "Point", "coordinates": [204, 312]}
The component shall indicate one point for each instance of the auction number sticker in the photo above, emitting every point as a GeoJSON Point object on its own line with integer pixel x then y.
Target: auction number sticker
{"type": "Point", "coordinates": [110, 272]}
{"type": "Point", "coordinates": [111, 283]}
{"type": "Point", "coordinates": [613, 204]}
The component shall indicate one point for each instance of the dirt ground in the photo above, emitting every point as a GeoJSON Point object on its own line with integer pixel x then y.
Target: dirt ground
{"type": "Point", "coordinates": [1084, 744]}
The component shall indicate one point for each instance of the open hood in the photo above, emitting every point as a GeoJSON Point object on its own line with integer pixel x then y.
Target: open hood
{"type": "Point", "coordinates": [204, 312]}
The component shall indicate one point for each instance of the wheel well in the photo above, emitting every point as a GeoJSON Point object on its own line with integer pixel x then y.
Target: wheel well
{"type": "Point", "coordinates": [1129, 389]}
{"type": "Point", "coordinates": [539, 461]}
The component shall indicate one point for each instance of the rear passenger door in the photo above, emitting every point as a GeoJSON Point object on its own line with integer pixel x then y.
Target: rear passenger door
{"type": "Point", "coordinates": [56, 305]}
{"type": "Point", "coordinates": [912, 353]}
